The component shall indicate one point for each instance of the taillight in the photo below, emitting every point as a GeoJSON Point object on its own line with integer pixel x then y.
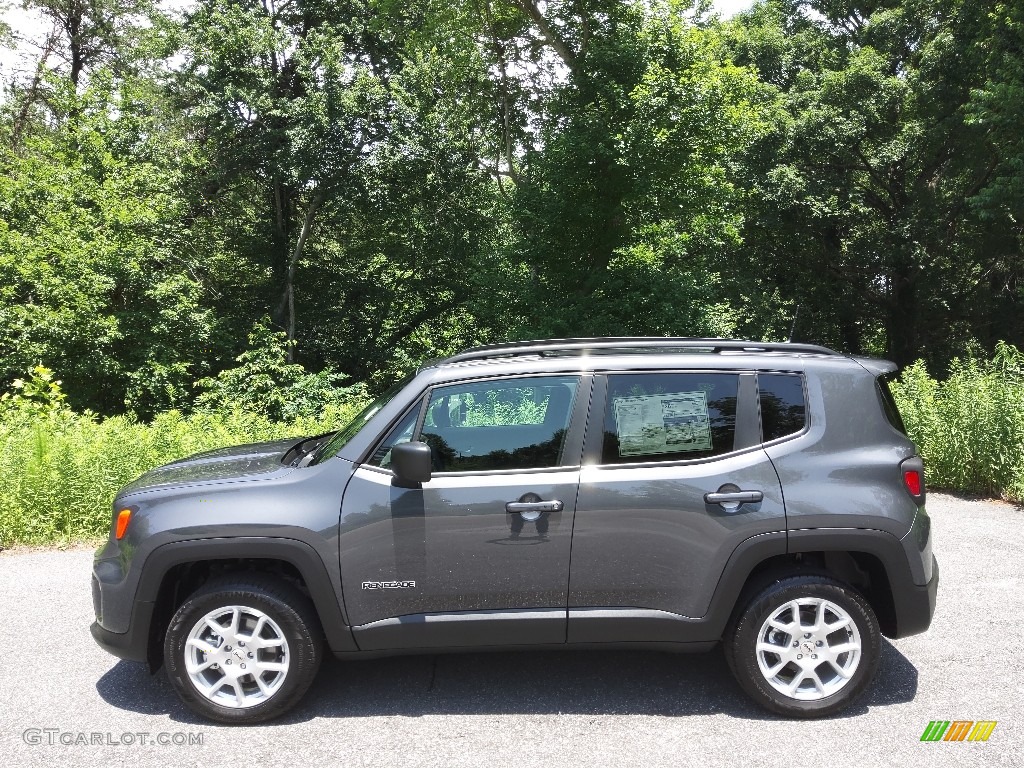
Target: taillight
{"type": "Point", "coordinates": [912, 471]}
{"type": "Point", "coordinates": [123, 518]}
{"type": "Point", "coordinates": [912, 479]}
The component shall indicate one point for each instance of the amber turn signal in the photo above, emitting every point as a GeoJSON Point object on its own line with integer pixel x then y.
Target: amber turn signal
{"type": "Point", "coordinates": [123, 517]}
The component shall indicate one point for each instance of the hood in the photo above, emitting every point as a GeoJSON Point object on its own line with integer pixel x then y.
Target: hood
{"type": "Point", "coordinates": [255, 461]}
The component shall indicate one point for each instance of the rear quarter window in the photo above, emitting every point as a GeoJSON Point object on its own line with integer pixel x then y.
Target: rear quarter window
{"type": "Point", "coordinates": [783, 410]}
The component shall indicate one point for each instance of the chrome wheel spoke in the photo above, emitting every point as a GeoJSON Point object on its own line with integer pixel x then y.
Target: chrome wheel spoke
{"type": "Point", "coordinates": [254, 636]}
{"type": "Point", "coordinates": [819, 617]}
{"type": "Point", "coordinates": [262, 685]}
{"type": "Point", "coordinates": [843, 622]}
{"type": "Point", "coordinates": [818, 685]}
{"type": "Point", "coordinates": [239, 693]}
{"type": "Point", "coordinates": [791, 689]}
{"type": "Point", "coordinates": [835, 650]}
{"type": "Point", "coordinates": [202, 645]}
{"type": "Point", "coordinates": [212, 689]}
{"type": "Point", "coordinates": [215, 627]}
{"type": "Point", "coordinates": [194, 668]}
{"type": "Point", "coordinates": [840, 670]}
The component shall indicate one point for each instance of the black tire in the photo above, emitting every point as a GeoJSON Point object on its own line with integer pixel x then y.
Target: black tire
{"type": "Point", "coordinates": [743, 633]}
{"type": "Point", "coordinates": [281, 602]}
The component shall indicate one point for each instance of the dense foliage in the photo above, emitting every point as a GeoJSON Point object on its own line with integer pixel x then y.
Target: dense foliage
{"type": "Point", "coordinates": [280, 206]}
{"type": "Point", "coordinates": [61, 469]}
{"type": "Point", "coordinates": [391, 181]}
{"type": "Point", "coordinates": [969, 427]}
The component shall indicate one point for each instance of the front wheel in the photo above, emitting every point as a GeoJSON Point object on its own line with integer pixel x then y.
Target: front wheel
{"type": "Point", "coordinates": [805, 646]}
{"type": "Point", "coordinates": [243, 649]}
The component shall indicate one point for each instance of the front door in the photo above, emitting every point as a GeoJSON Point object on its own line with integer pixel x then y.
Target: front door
{"type": "Point", "coordinates": [480, 554]}
{"type": "Point", "coordinates": [650, 545]}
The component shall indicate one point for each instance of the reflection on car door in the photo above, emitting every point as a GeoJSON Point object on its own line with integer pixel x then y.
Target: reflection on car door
{"type": "Point", "coordinates": [456, 562]}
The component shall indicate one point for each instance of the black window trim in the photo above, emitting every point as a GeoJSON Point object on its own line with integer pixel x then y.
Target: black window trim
{"type": "Point", "coordinates": [417, 403]}
{"type": "Point", "coordinates": [888, 402]}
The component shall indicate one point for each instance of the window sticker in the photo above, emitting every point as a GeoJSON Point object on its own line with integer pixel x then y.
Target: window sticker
{"type": "Point", "coordinates": [674, 422]}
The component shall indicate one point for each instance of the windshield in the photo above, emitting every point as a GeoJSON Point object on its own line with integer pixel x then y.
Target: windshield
{"type": "Point", "coordinates": [342, 436]}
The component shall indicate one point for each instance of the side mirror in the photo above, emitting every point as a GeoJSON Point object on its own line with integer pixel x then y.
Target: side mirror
{"type": "Point", "coordinates": [411, 462]}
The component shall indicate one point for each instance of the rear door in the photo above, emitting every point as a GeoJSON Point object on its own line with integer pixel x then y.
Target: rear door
{"type": "Point", "coordinates": [479, 555]}
{"type": "Point", "coordinates": [674, 478]}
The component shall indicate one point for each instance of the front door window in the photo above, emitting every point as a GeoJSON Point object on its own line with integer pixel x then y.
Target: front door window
{"type": "Point", "coordinates": [499, 425]}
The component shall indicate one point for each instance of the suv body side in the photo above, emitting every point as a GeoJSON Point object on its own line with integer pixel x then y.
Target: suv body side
{"type": "Point", "coordinates": [836, 490]}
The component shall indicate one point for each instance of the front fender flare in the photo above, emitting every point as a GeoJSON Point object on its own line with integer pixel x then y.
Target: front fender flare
{"type": "Point", "coordinates": [302, 556]}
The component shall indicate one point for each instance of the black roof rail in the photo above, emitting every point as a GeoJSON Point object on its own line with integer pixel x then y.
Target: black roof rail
{"type": "Point", "coordinates": [630, 344]}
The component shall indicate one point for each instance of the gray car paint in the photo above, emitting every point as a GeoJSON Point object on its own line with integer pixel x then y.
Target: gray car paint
{"type": "Point", "coordinates": [848, 461]}
{"type": "Point", "coordinates": [645, 538]}
{"type": "Point", "coordinates": [455, 540]}
{"type": "Point", "coordinates": [650, 516]}
{"type": "Point", "coordinates": [286, 503]}
{"type": "Point", "coordinates": [236, 464]}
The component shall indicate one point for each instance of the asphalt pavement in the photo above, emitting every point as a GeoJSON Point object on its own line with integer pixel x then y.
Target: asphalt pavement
{"type": "Point", "coordinates": [64, 701]}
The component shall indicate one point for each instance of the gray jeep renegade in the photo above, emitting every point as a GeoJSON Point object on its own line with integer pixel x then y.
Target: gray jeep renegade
{"type": "Point", "coordinates": [651, 493]}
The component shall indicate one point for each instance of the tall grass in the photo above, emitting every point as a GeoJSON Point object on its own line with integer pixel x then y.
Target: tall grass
{"type": "Point", "coordinates": [970, 426]}
{"type": "Point", "coordinates": [59, 470]}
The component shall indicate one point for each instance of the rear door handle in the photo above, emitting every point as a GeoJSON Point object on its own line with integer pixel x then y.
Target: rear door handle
{"type": "Point", "coordinates": [534, 506]}
{"type": "Point", "coordinates": [731, 498]}
{"type": "Point", "coordinates": [737, 497]}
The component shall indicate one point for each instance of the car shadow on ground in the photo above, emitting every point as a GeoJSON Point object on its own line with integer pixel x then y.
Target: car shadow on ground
{"type": "Point", "coordinates": [534, 682]}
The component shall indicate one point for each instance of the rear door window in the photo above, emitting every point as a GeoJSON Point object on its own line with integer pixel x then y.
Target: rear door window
{"type": "Point", "coordinates": [669, 416]}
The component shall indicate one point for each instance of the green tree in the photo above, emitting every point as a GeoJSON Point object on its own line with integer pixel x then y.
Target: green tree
{"type": "Point", "coordinates": [265, 383]}
{"type": "Point", "coordinates": [292, 110]}
{"type": "Point", "coordinates": [866, 196]}
{"type": "Point", "coordinates": [341, 167]}
{"type": "Point", "coordinates": [93, 283]}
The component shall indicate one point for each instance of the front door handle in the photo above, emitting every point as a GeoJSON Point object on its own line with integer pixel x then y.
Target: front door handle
{"type": "Point", "coordinates": [526, 507]}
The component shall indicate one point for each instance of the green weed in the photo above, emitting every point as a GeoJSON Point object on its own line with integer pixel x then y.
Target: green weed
{"type": "Point", "coordinates": [970, 426]}
{"type": "Point", "coordinates": [60, 470]}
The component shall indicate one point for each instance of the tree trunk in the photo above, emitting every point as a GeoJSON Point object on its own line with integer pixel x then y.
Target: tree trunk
{"type": "Point", "coordinates": [75, 42]}
{"type": "Point", "coordinates": [286, 308]}
{"type": "Point", "coordinates": [280, 247]}
{"type": "Point", "coordinates": [902, 321]}
{"type": "Point", "coordinates": [32, 95]}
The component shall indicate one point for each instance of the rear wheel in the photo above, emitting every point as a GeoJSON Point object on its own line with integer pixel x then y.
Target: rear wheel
{"type": "Point", "coordinates": [805, 646]}
{"type": "Point", "coordinates": [243, 649]}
